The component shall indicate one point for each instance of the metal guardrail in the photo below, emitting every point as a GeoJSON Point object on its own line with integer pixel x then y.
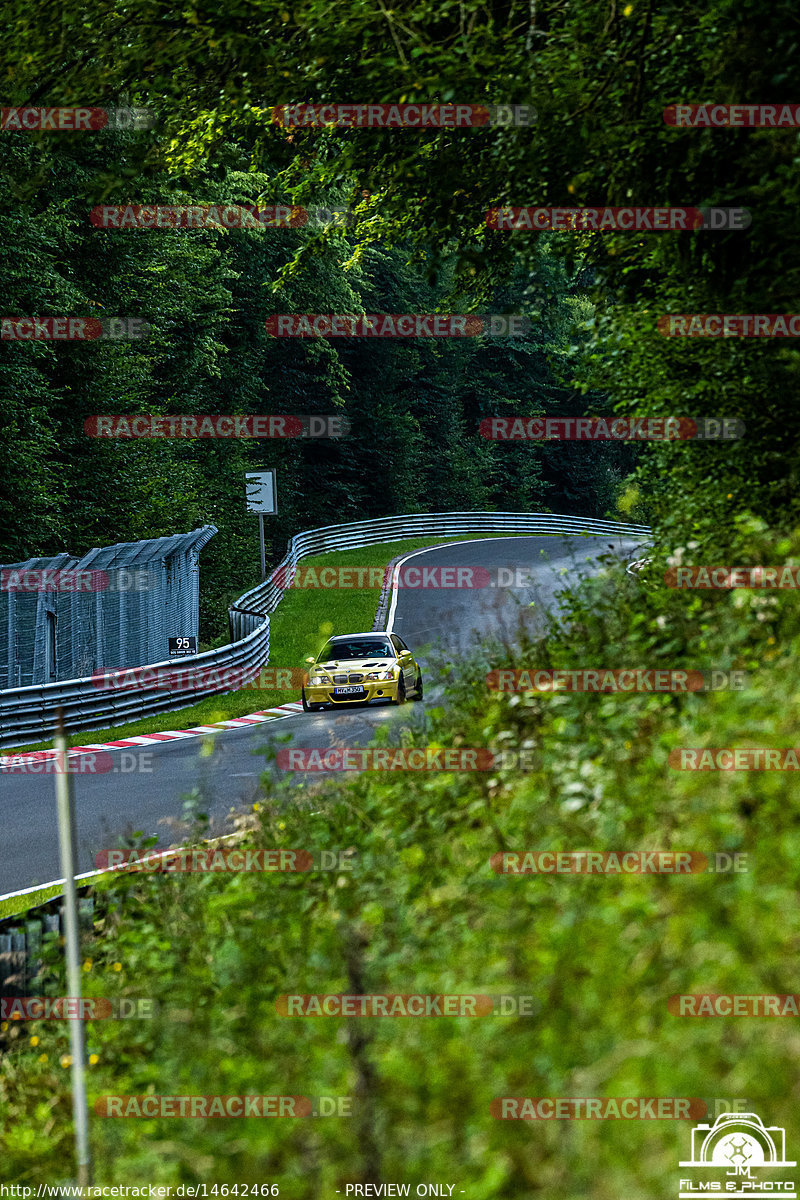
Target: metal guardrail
{"type": "Point", "coordinates": [28, 714]}
{"type": "Point", "coordinates": [354, 535]}
{"type": "Point", "coordinates": [21, 942]}
{"type": "Point", "coordinates": [22, 935]}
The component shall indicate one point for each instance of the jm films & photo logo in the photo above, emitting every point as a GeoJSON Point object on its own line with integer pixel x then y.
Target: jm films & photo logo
{"type": "Point", "coordinates": [727, 1152]}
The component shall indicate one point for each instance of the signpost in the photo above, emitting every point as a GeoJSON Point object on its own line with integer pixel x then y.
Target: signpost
{"type": "Point", "coordinates": [262, 498]}
{"type": "Point", "coordinates": [67, 845]}
{"type": "Point", "coordinates": [182, 645]}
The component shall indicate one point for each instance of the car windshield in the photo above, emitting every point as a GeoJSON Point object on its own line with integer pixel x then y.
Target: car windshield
{"type": "Point", "coordinates": [356, 649]}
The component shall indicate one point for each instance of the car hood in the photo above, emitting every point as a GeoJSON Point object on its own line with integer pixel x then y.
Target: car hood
{"type": "Point", "coordinates": [355, 664]}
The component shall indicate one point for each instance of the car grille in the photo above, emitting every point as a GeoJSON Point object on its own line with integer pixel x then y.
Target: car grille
{"type": "Point", "coordinates": [340, 679]}
{"type": "Point", "coordinates": [356, 679]}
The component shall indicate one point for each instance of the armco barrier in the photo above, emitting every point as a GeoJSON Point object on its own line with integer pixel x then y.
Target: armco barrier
{"type": "Point", "coordinates": [28, 714]}
{"type": "Point", "coordinates": [21, 940]}
{"type": "Point", "coordinates": [266, 597]}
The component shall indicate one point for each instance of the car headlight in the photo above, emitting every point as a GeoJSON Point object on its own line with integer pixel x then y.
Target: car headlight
{"type": "Point", "coordinates": [317, 680]}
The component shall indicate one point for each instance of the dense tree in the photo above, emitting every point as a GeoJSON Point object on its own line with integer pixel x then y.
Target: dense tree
{"type": "Point", "coordinates": [414, 405]}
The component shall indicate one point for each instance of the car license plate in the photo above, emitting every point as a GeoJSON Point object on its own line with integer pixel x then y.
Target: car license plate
{"type": "Point", "coordinates": [348, 691]}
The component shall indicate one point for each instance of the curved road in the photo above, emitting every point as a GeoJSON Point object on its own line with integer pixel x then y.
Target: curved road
{"type": "Point", "coordinates": [518, 583]}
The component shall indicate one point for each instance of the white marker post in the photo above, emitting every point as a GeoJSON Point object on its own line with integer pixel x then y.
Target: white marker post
{"type": "Point", "coordinates": [262, 497]}
{"type": "Point", "coordinates": [66, 839]}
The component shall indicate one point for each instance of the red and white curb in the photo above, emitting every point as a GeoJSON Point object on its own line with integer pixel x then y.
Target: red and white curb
{"type": "Point", "coordinates": [10, 761]}
{"type": "Point", "coordinates": [388, 600]}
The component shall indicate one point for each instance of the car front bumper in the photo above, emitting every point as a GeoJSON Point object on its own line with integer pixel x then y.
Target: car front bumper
{"type": "Point", "coordinates": [373, 689]}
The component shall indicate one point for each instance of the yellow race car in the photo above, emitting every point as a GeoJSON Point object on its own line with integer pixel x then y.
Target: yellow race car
{"type": "Point", "coordinates": [358, 667]}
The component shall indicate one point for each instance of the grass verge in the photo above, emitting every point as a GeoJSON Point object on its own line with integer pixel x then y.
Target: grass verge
{"type": "Point", "coordinates": [21, 904]}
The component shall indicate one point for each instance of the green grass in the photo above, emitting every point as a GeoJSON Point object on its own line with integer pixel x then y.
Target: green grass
{"type": "Point", "coordinates": [299, 627]}
{"type": "Point", "coordinates": [21, 904]}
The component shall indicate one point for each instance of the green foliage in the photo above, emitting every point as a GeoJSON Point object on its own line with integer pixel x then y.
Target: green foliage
{"type": "Point", "coordinates": [413, 406]}
{"type": "Point", "coordinates": [419, 909]}
{"type": "Point", "coordinates": [423, 910]}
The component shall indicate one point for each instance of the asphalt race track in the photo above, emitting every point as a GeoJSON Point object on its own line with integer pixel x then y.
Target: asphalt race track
{"type": "Point", "coordinates": [446, 621]}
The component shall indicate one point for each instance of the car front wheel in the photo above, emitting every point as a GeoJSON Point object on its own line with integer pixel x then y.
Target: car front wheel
{"type": "Point", "coordinates": [401, 692]}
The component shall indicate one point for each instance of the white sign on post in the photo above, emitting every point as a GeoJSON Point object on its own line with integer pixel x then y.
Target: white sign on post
{"type": "Point", "coordinates": [262, 498]}
{"type": "Point", "coordinates": [260, 491]}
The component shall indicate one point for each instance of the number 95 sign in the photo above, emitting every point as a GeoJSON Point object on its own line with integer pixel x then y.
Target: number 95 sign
{"type": "Point", "coordinates": [182, 645]}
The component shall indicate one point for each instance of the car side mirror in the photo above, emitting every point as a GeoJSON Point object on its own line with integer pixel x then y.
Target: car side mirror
{"type": "Point", "coordinates": [309, 660]}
